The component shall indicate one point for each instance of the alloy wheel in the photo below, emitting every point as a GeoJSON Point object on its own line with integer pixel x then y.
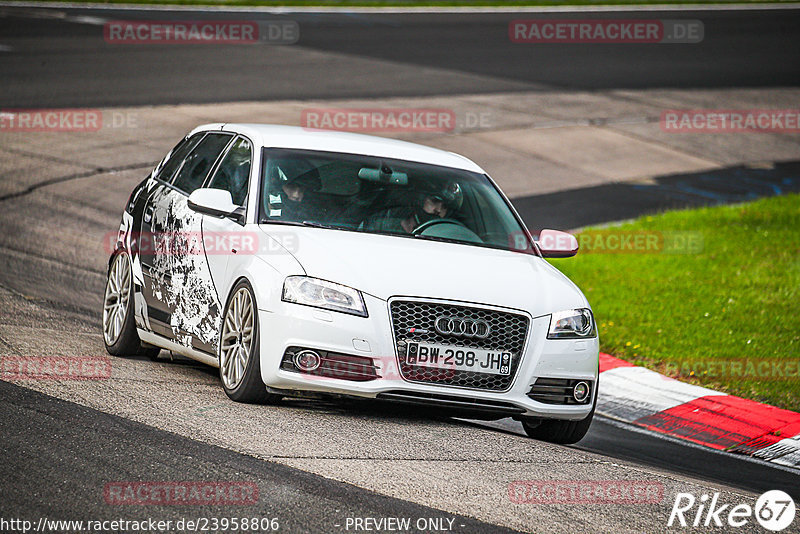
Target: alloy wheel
{"type": "Point", "coordinates": [237, 339]}
{"type": "Point", "coordinates": [115, 304]}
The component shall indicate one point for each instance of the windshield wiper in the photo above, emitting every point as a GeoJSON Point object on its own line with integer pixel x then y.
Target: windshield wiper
{"type": "Point", "coordinates": [309, 224]}
{"type": "Point", "coordinates": [443, 239]}
{"type": "Point", "coordinates": [274, 221]}
{"type": "Point", "coordinates": [471, 243]}
{"type": "Point", "coordinates": [313, 224]}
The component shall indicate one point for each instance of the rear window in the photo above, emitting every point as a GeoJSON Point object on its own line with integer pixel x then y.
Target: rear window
{"type": "Point", "coordinates": [173, 161]}
{"type": "Point", "coordinates": [199, 162]}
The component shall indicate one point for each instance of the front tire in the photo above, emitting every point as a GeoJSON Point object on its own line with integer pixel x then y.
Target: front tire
{"type": "Point", "coordinates": [119, 326]}
{"type": "Point", "coordinates": [239, 354]}
{"type": "Point", "coordinates": [558, 431]}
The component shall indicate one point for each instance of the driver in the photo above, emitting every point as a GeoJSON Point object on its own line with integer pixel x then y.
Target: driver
{"type": "Point", "coordinates": [431, 204]}
{"type": "Point", "coordinates": [293, 184]}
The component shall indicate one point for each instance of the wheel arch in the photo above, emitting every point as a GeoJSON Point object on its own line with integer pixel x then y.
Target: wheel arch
{"type": "Point", "coordinates": [265, 280]}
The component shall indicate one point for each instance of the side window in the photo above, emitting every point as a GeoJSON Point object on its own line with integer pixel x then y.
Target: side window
{"type": "Point", "coordinates": [233, 173]}
{"type": "Point", "coordinates": [176, 155]}
{"type": "Point", "coordinates": [198, 163]}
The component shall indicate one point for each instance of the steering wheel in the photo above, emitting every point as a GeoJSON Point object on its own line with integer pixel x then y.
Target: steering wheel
{"type": "Point", "coordinates": [433, 222]}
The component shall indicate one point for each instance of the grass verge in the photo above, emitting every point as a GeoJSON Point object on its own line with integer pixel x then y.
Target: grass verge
{"type": "Point", "coordinates": [721, 312]}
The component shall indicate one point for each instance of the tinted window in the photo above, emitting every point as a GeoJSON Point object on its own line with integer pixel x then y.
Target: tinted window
{"type": "Point", "coordinates": [175, 157]}
{"type": "Point", "coordinates": [198, 163]}
{"type": "Point", "coordinates": [233, 173]}
{"type": "Point", "coordinates": [387, 196]}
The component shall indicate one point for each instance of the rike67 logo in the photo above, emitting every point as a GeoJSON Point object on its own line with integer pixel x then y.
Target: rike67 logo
{"type": "Point", "coordinates": [774, 510]}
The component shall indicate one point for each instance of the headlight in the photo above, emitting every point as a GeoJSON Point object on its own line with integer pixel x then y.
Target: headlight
{"type": "Point", "coordinates": [323, 294]}
{"type": "Point", "coordinates": [573, 324]}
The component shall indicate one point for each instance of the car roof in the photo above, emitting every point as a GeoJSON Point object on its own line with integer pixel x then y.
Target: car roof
{"type": "Point", "coordinates": [280, 136]}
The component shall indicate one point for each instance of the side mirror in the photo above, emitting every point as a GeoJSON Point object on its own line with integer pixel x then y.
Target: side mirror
{"type": "Point", "coordinates": [557, 244]}
{"type": "Point", "coordinates": [216, 202]}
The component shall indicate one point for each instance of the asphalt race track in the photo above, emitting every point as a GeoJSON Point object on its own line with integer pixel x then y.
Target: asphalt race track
{"type": "Point", "coordinates": [318, 463]}
{"type": "Point", "coordinates": [89, 445]}
{"type": "Point", "coordinates": [62, 62]}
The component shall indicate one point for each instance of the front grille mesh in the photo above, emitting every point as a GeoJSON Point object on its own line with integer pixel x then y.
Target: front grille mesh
{"type": "Point", "coordinates": [508, 333]}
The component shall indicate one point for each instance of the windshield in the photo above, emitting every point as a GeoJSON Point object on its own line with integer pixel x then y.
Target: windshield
{"type": "Point", "coordinates": [386, 196]}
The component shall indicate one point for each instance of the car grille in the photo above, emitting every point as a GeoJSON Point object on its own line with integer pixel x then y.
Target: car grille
{"type": "Point", "coordinates": [415, 321]}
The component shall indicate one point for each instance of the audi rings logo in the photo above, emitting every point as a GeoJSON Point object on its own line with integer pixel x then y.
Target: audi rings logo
{"type": "Point", "coordinates": [451, 326]}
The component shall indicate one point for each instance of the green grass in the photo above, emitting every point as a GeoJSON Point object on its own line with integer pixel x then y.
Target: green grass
{"type": "Point", "coordinates": [418, 3]}
{"type": "Point", "coordinates": [738, 300]}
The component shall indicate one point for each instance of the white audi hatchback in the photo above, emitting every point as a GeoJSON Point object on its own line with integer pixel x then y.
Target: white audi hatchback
{"type": "Point", "coordinates": [305, 262]}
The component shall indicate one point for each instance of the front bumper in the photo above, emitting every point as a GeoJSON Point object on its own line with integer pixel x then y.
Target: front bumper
{"type": "Point", "coordinates": [291, 325]}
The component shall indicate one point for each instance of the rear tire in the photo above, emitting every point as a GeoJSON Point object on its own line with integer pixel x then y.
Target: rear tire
{"type": "Point", "coordinates": [239, 354]}
{"type": "Point", "coordinates": [119, 326]}
{"type": "Point", "coordinates": [149, 351]}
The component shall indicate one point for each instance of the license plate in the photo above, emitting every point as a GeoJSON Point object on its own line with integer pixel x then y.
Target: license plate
{"type": "Point", "coordinates": [496, 362]}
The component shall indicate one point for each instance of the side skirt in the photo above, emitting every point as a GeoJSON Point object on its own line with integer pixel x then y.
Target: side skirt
{"type": "Point", "coordinates": [164, 343]}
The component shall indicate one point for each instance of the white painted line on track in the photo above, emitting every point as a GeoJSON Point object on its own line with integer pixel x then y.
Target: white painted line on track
{"type": "Point", "coordinates": [57, 15]}
{"type": "Point", "coordinates": [82, 19]}
{"type": "Point", "coordinates": [411, 10]}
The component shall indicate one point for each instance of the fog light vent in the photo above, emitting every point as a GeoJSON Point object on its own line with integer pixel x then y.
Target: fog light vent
{"type": "Point", "coordinates": [307, 360]}
{"type": "Point", "coordinates": [580, 392]}
{"type": "Point", "coordinates": [561, 391]}
{"type": "Point", "coordinates": [328, 364]}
